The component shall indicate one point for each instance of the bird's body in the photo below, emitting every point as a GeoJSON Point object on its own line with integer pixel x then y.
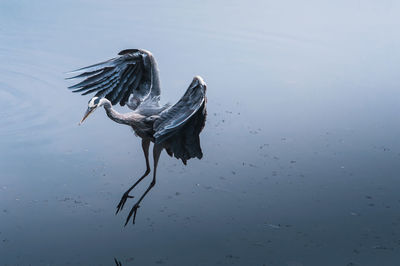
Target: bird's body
{"type": "Point", "coordinates": [133, 79]}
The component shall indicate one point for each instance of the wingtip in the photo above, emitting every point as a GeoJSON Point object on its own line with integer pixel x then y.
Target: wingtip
{"type": "Point", "coordinates": [74, 71]}
{"type": "Point", "coordinates": [200, 80]}
{"type": "Point", "coordinates": [128, 51]}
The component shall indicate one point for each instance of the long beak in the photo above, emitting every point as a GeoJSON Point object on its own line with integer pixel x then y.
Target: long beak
{"type": "Point", "coordinates": [87, 113]}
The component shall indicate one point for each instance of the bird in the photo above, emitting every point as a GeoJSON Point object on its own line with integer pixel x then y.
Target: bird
{"type": "Point", "coordinates": [132, 79]}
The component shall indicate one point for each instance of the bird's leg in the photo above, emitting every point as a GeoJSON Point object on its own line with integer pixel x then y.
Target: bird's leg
{"type": "Point", "coordinates": [156, 155]}
{"type": "Point", "coordinates": [145, 146]}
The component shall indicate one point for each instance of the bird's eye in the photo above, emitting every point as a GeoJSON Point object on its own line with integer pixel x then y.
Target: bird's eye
{"type": "Point", "coordinates": [96, 101]}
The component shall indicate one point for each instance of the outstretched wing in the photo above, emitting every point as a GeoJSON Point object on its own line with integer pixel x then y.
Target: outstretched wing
{"type": "Point", "coordinates": [179, 126]}
{"type": "Point", "coordinates": [134, 72]}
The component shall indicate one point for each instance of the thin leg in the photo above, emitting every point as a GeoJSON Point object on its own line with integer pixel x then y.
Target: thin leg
{"type": "Point", "coordinates": [145, 146]}
{"type": "Point", "coordinates": [156, 155]}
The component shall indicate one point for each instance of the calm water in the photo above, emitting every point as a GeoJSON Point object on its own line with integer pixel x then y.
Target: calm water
{"type": "Point", "coordinates": [301, 153]}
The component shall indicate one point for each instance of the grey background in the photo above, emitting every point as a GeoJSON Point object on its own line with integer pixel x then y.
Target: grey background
{"type": "Point", "coordinates": [301, 151]}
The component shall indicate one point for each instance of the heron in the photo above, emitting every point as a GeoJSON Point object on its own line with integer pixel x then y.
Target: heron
{"type": "Point", "coordinates": [132, 79]}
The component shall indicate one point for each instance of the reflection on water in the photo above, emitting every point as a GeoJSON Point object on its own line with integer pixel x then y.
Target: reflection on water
{"type": "Point", "coordinates": [117, 262]}
{"type": "Point", "coordinates": [301, 151]}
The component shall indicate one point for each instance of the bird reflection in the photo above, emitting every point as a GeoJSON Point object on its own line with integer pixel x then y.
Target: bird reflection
{"type": "Point", "coordinates": [132, 78]}
{"type": "Point", "coordinates": [117, 262]}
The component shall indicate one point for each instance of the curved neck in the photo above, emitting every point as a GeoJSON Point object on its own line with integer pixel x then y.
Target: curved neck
{"type": "Point", "coordinates": [112, 114]}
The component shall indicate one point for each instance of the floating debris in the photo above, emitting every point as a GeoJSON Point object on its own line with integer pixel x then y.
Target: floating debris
{"type": "Point", "coordinates": [274, 226]}
{"type": "Point", "coordinates": [230, 256]}
{"type": "Point", "coordinates": [263, 146]}
{"type": "Point", "coordinates": [381, 247]}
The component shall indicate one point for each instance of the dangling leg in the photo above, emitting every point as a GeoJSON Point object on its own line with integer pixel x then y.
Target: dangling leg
{"type": "Point", "coordinates": [145, 146]}
{"type": "Point", "coordinates": [156, 155]}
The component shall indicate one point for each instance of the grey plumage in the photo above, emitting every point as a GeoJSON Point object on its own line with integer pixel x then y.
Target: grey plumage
{"type": "Point", "coordinates": [132, 78]}
{"type": "Point", "coordinates": [134, 73]}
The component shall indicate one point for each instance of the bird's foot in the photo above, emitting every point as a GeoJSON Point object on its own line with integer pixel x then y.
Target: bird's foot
{"type": "Point", "coordinates": [123, 201]}
{"type": "Point", "coordinates": [132, 212]}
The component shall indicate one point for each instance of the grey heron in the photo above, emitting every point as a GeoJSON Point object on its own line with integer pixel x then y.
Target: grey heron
{"type": "Point", "coordinates": [132, 78]}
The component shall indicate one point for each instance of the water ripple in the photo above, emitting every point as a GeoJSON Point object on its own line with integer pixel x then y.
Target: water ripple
{"type": "Point", "coordinates": [24, 94]}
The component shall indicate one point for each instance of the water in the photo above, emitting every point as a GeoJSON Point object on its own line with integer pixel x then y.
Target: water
{"type": "Point", "coordinates": [301, 150]}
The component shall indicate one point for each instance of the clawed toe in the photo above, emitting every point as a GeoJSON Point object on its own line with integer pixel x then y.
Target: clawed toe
{"type": "Point", "coordinates": [123, 201]}
{"type": "Point", "coordinates": [132, 212]}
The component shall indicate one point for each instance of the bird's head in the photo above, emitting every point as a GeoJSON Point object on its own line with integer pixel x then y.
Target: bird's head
{"type": "Point", "coordinates": [93, 104]}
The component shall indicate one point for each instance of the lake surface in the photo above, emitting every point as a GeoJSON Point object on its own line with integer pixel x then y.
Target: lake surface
{"type": "Point", "coordinates": [301, 146]}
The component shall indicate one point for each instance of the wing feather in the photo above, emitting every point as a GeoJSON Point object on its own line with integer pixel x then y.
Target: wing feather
{"type": "Point", "coordinates": [121, 91]}
{"type": "Point", "coordinates": [94, 79]}
{"type": "Point", "coordinates": [133, 72]}
{"type": "Point", "coordinates": [109, 85]}
{"type": "Point", "coordinates": [85, 74]}
{"type": "Point", "coordinates": [106, 82]}
{"type": "Point", "coordinates": [179, 126]}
